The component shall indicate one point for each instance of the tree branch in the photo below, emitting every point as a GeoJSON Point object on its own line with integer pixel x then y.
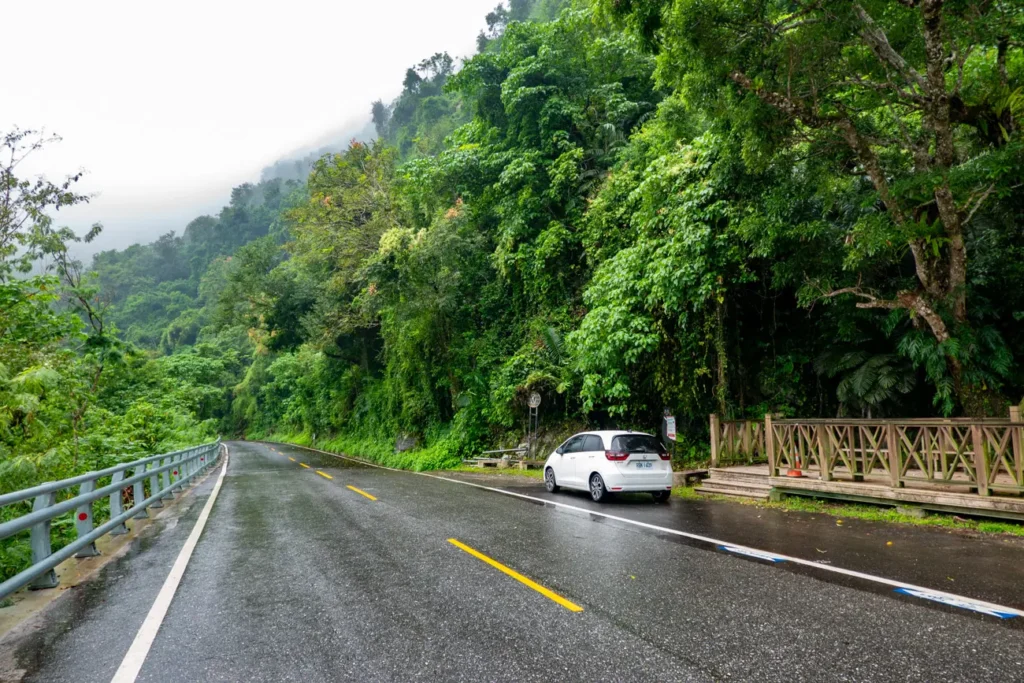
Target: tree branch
{"type": "Point", "coordinates": [871, 301]}
{"type": "Point", "coordinates": [793, 108]}
{"type": "Point", "coordinates": [879, 43]}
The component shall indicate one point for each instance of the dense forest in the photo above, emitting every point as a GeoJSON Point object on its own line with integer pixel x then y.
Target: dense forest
{"type": "Point", "coordinates": [805, 208]}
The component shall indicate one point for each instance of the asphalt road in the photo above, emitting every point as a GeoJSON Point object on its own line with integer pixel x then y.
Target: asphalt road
{"type": "Point", "coordinates": [299, 577]}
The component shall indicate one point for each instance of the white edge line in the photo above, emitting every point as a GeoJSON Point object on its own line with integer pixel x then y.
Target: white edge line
{"type": "Point", "coordinates": [132, 663]}
{"type": "Point", "coordinates": [696, 537]}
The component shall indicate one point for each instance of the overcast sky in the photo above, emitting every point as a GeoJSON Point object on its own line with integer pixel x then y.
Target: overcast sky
{"type": "Point", "coordinates": [168, 105]}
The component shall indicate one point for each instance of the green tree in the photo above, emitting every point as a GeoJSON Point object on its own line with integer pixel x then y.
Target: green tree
{"type": "Point", "coordinates": [920, 99]}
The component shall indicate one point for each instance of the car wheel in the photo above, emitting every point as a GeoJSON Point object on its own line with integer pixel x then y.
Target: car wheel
{"type": "Point", "coordinates": [598, 492]}
{"type": "Point", "coordinates": [662, 496]}
{"type": "Point", "coordinates": [549, 481]}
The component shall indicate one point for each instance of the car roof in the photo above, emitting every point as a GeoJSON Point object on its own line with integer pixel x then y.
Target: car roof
{"type": "Point", "coordinates": [613, 432]}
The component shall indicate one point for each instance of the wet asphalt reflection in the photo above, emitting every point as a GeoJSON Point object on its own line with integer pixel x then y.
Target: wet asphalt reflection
{"type": "Point", "coordinates": [355, 577]}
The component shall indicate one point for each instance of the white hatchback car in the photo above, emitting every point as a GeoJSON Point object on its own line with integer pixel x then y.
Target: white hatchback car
{"type": "Point", "coordinates": [611, 462]}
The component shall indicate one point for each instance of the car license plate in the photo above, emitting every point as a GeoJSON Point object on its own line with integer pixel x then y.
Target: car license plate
{"type": "Point", "coordinates": [643, 465]}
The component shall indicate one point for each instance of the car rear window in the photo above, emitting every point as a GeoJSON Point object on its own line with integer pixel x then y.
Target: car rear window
{"type": "Point", "coordinates": [637, 443]}
{"type": "Point", "coordinates": [593, 443]}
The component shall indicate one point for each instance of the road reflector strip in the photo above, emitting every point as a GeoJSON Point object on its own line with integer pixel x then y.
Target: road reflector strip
{"type": "Point", "coordinates": [750, 552]}
{"type": "Point", "coordinates": [361, 492]}
{"type": "Point", "coordinates": [292, 459]}
{"type": "Point", "coordinates": [304, 465]}
{"type": "Point", "coordinates": [962, 603]}
{"type": "Point", "coordinates": [324, 475]}
{"type": "Point", "coordinates": [571, 606]}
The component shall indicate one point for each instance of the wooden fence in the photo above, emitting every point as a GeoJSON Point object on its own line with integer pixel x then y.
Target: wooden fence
{"type": "Point", "coordinates": [980, 455]}
{"type": "Point", "coordinates": [983, 455]}
{"type": "Point", "coordinates": [737, 441]}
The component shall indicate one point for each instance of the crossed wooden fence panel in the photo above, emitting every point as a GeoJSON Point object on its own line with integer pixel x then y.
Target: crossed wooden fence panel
{"type": "Point", "coordinates": [982, 455]}
{"type": "Point", "coordinates": [737, 441]}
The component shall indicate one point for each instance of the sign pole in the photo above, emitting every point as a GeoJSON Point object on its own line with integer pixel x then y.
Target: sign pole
{"type": "Point", "coordinates": [669, 430]}
{"type": "Point", "coordinates": [534, 403]}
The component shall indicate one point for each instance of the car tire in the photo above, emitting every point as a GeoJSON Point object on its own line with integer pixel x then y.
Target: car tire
{"type": "Point", "coordinates": [598, 491]}
{"type": "Point", "coordinates": [662, 496]}
{"type": "Point", "coordinates": [549, 481]}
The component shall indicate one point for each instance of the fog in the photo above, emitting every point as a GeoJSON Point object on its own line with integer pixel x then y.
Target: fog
{"type": "Point", "coordinates": [169, 106]}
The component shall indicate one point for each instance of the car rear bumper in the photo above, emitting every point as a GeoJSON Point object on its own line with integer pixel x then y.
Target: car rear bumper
{"type": "Point", "coordinates": [656, 481]}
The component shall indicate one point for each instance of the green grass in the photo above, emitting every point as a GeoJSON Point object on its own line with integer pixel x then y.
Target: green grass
{"type": "Point", "coordinates": [532, 474]}
{"type": "Point", "coordinates": [877, 513]}
{"type": "Point", "coordinates": [436, 457]}
{"type": "Point", "coordinates": [871, 513]}
{"type": "Point", "coordinates": [686, 492]}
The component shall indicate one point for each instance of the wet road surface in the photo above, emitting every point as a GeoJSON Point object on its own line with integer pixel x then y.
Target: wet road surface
{"type": "Point", "coordinates": [986, 567]}
{"type": "Point", "coordinates": [353, 576]}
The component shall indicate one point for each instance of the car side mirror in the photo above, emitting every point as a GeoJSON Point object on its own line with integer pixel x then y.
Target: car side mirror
{"type": "Point", "coordinates": [559, 450]}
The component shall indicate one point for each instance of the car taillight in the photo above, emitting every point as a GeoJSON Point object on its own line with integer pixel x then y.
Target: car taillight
{"type": "Point", "coordinates": [616, 455]}
{"type": "Point", "coordinates": [664, 456]}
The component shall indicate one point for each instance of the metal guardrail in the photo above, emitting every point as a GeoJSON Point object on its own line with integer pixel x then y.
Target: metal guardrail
{"type": "Point", "coordinates": [166, 473]}
{"type": "Point", "coordinates": [521, 449]}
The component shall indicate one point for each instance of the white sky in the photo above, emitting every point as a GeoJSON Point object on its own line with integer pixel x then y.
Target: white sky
{"type": "Point", "coordinates": [168, 105]}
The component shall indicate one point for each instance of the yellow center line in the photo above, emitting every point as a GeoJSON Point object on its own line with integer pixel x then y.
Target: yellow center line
{"type": "Point", "coordinates": [304, 465]}
{"type": "Point", "coordinates": [361, 493]}
{"type": "Point", "coordinates": [291, 458]}
{"type": "Point", "coordinates": [324, 475]}
{"type": "Point", "coordinates": [571, 606]}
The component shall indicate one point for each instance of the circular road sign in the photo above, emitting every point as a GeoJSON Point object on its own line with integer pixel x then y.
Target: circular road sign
{"type": "Point", "coordinates": [534, 400]}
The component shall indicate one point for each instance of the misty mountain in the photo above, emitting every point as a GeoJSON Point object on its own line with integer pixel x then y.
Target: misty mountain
{"type": "Point", "coordinates": [297, 165]}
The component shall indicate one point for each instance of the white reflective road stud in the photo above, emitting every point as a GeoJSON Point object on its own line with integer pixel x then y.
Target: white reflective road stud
{"type": "Point", "coordinates": [758, 554]}
{"type": "Point", "coordinates": [962, 603]}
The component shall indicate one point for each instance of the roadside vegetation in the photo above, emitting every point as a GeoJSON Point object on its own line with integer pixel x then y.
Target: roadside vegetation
{"type": "Point", "coordinates": [805, 208]}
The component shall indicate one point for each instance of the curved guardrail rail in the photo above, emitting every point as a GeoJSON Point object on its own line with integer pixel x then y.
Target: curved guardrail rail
{"type": "Point", "coordinates": [167, 473]}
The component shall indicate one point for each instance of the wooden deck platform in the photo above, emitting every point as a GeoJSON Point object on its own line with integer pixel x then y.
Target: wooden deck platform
{"type": "Point", "coordinates": [752, 481]}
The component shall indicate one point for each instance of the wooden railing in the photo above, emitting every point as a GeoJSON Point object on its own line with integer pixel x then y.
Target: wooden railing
{"type": "Point", "coordinates": [737, 441]}
{"type": "Point", "coordinates": [981, 455]}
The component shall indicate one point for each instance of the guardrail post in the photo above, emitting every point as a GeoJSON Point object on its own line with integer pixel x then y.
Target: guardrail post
{"type": "Point", "coordinates": [40, 541]}
{"type": "Point", "coordinates": [139, 494]}
{"type": "Point", "coordinates": [83, 520]}
{"type": "Point", "coordinates": [176, 471]}
{"type": "Point", "coordinates": [166, 478]}
{"type": "Point", "coordinates": [115, 504]}
{"type": "Point", "coordinates": [154, 485]}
